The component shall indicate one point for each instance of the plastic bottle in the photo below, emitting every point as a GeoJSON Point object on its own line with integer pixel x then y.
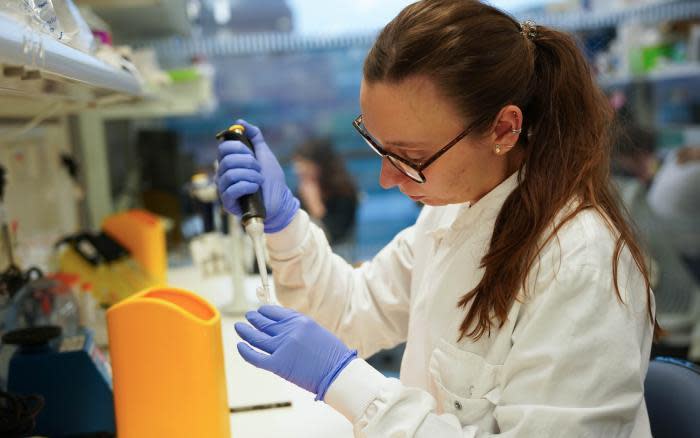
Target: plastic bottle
{"type": "Point", "coordinates": [64, 310]}
{"type": "Point", "coordinates": [93, 314]}
{"type": "Point", "coordinates": [88, 306]}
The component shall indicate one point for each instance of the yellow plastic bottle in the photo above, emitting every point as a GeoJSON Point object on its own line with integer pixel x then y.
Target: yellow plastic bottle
{"type": "Point", "coordinates": [168, 366]}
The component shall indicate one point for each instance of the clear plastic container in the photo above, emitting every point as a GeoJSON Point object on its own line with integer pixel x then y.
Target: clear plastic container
{"type": "Point", "coordinates": [64, 310]}
{"type": "Point", "coordinates": [45, 15]}
{"type": "Point", "coordinates": [88, 306]}
{"type": "Point", "coordinates": [45, 301]}
{"type": "Point", "coordinates": [38, 14]}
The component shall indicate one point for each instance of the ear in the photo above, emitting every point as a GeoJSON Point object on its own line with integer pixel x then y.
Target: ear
{"type": "Point", "coordinates": [506, 129]}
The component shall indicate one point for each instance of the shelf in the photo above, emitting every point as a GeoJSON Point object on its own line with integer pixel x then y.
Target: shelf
{"type": "Point", "coordinates": [118, 3]}
{"type": "Point", "coordinates": [676, 72]}
{"type": "Point", "coordinates": [177, 99]}
{"type": "Point", "coordinates": [179, 50]}
{"type": "Point", "coordinates": [37, 66]}
{"type": "Point", "coordinates": [132, 21]}
{"type": "Point", "coordinates": [653, 13]}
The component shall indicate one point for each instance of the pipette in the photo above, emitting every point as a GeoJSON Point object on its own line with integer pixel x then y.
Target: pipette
{"type": "Point", "coordinates": [253, 216]}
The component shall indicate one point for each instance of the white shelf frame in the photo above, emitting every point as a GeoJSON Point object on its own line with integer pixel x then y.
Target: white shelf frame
{"type": "Point", "coordinates": [21, 46]}
{"type": "Point", "coordinates": [690, 71]}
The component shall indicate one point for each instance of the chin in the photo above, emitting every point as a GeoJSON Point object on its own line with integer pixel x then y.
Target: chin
{"type": "Point", "coordinates": [426, 200]}
{"type": "Point", "coordinates": [432, 202]}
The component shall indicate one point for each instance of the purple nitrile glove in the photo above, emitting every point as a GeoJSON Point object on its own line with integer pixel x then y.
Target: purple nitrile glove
{"type": "Point", "coordinates": [240, 173]}
{"type": "Point", "coordinates": [295, 347]}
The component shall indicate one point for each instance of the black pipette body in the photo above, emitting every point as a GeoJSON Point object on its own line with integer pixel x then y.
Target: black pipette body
{"type": "Point", "coordinates": [251, 205]}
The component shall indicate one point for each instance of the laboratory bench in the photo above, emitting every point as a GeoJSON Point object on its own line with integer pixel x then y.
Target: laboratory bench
{"type": "Point", "coordinates": [248, 385]}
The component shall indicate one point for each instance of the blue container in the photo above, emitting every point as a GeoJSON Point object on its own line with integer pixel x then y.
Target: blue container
{"type": "Point", "coordinates": [70, 374]}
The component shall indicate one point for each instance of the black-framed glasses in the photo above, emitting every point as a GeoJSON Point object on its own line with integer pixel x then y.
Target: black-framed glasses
{"type": "Point", "coordinates": [411, 170]}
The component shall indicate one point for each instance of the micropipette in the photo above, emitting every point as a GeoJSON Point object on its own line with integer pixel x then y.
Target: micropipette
{"type": "Point", "coordinates": [253, 216]}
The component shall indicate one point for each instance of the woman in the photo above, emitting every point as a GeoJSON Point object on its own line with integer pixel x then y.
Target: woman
{"type": "Point", "coordinates": [520, 291]}
{"type": "Point", "coordinates": [326, 189]}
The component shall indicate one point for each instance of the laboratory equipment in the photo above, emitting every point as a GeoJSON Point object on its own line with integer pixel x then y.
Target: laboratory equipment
{"type": "Point", "coordinates": [92, 316]}
{"type": "Point", "coordinates": [99, 259]}
{"type": "Point", "coordinates": [203, 192]}
{"type": "Point", "coordinates": [12, 278]}
{"type": "Point", "coordinates": [214, 252]}
{"type": "Point", "coordinates": [143, 235]}
{"type": "Point", "coordinates": [42, 301]}
{"type": "Point", "coordinates": [168, 363]}
{"type": "Point", "coordinates": [253, 217]}
{"type": "Point", "coordinates": [69, 373]}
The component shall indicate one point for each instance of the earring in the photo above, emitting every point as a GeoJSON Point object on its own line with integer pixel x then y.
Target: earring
{"type": "Point", "coordinates": [498, 149]}
{"type": "Point", "coordinates": [516, 131]}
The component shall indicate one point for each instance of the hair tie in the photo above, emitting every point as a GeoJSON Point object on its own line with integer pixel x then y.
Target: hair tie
{"type": "Point", "coordinates": [528, 29]}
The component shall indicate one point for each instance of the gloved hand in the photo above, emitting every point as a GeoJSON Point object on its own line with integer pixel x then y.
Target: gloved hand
{"type": "Point", "coordinates": [240, 173]}
{"type": "Point", "coordinates": [295, 348]}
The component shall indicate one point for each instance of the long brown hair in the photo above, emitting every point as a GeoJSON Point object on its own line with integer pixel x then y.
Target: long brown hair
{"type": "Point", "coordinates": [481, 60]}
{"type": "Point", "coordinates": [334, 178]}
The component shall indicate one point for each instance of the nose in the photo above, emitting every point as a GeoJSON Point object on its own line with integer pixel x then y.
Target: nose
{"type": "Point", "coordinates": [390, 176]}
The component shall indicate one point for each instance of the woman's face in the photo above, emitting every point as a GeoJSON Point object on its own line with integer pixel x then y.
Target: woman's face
{"type": "Point", "coordinates": [413, 121]}
{"type": "Point", "coordinates": [306, 170]}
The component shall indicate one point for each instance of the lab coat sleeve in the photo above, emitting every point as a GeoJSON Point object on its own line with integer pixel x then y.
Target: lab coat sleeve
{"type": "Point", "coordinates": [366, 307]}
{"type": "Point", "coordinates": [575, 370]}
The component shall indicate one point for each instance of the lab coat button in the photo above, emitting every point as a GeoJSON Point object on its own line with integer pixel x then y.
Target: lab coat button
{"type": "Point", "coordinates": [458, 405]}
{"type": "Point", "coordinates": [470, 390]}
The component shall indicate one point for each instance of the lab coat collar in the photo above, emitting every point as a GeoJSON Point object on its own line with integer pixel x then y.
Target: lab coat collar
{"type": "Point", "coordinates": [457, 216]}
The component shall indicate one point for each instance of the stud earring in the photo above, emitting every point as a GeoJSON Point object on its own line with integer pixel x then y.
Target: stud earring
{"type": "Point", "coordinates": [498, 149]}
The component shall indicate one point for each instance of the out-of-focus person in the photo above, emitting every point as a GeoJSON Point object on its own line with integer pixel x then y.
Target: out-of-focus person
{"type": "Point", "coordinates": [327, 192]}
{"type": "Point", "coordinates": [634, 154]}
{"type": "Point", "coordinates": [674, 196]}
{"type": "Point", "coordinates": [663, 198]}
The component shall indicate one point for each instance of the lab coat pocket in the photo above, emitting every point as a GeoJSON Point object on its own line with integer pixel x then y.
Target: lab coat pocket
{"type": "Point", "coordinates": [465, 385]}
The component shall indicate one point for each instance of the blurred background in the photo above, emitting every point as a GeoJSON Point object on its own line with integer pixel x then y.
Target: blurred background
{"type": "Point", "coordinates": [109, 110]}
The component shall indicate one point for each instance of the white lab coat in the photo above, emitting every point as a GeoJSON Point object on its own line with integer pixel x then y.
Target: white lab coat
{"type": "Point", "coordinates": [570, 361]}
